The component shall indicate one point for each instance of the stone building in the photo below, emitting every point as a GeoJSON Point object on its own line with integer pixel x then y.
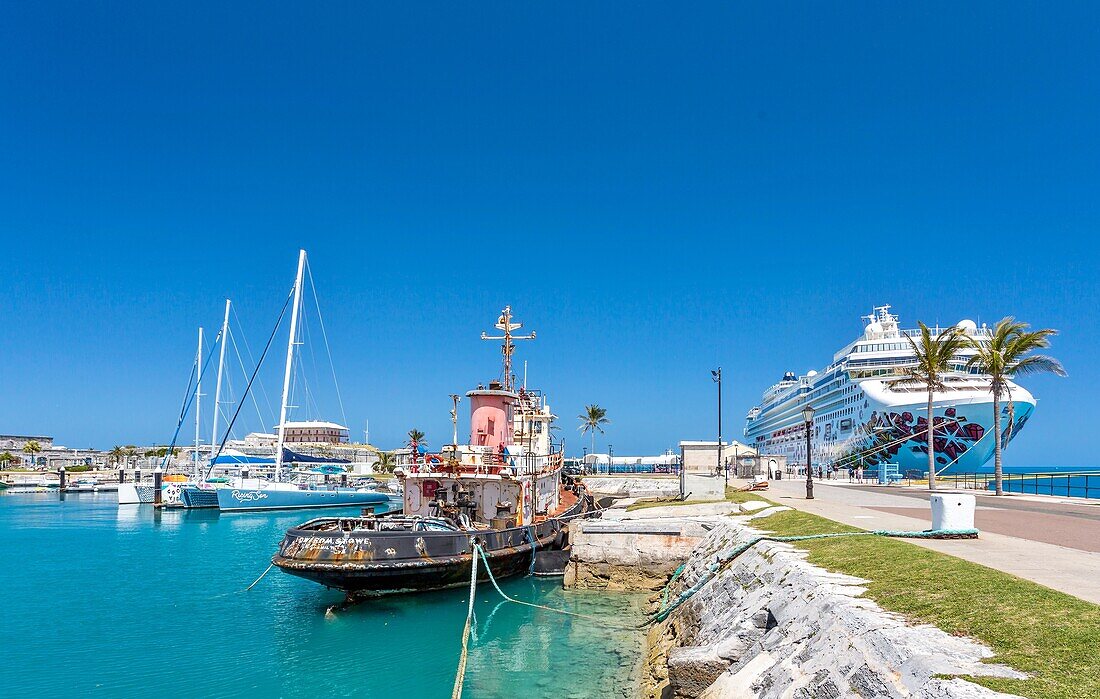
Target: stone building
{"type": "Point", "coordinates": [15, 442]}
{"type": "Point", "coordinates": [314, 432]}
{"type": "Point", "coordinates": [741, 459]}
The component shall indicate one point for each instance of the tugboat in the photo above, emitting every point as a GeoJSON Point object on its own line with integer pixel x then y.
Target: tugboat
{"type": "Point", "coordinates": [504, 491]}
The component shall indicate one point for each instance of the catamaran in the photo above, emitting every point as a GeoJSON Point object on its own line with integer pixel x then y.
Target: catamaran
{"type": "Point", "coordinates": [243, 493]}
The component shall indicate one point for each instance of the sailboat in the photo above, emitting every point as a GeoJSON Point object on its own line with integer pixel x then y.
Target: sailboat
{"type": "Point", "coordinates": [244, 493]}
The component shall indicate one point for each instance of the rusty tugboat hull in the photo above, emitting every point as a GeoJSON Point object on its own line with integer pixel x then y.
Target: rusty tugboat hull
{"type": "Point", "coordinates": [365, 556]}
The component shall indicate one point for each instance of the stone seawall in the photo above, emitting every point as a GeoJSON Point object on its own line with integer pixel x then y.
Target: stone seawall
{"type": "Point", "coordinates": [637, 551]}
{"type": "Point", "coordinates": [770, 624]}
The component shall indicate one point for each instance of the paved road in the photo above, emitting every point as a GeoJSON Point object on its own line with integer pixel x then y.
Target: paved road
{"type": "Point", "coordinates": [1049, 543]}
{"type": "Point", "coordinates": [1048, 505]}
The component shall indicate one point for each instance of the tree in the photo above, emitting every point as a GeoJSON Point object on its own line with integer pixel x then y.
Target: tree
{"type": "Point", "coordinates": [31, 448]}
{"type": "Point", "coordinates": [385, 462]}
{"type": "Point", "coordinates": [116, 454]}
{"type": "Point", "coordinates": [416, 440]}
{"type": "Point", "coordinates": [933, 355]}
{"type": "Point", "coordinates": [1010, 352]}
{"type": "Point", "coordinates": [592, 420]}
{"type": "Point", "coordinates": [6, 458]}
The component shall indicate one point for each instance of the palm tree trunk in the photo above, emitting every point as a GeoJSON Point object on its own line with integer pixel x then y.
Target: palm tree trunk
{"type": "Point", "coordinates": [998, 474]}
{"type": "Point", "coordinates": [931, 444]}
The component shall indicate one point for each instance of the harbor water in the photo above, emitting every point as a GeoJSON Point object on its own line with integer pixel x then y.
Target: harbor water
{"type": "Point", "coordinates": [121, 602]}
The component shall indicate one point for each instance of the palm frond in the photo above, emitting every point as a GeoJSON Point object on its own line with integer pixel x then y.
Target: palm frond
{"type": "Point", "coordinates": [1038, 364]}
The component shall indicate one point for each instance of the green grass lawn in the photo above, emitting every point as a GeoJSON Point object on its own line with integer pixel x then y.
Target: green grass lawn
{"type": "Point", "coordinates": [734, 495]}
{"type": "Point", "coordinates": [666, 503]}
{"type": "Point", "coordinates": [1050, 635]}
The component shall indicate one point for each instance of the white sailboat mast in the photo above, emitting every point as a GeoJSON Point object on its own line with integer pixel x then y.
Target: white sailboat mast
{"type": "Point", "coordinates": [218, 386]}
{"type": "Point", "coordinates": [198, 404]}
{"type": "Point", "coordinates": [289, 362]}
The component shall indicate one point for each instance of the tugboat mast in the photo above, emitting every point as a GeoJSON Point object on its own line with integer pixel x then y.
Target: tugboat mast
{"type": "Point", "coordinates": [508, 348]}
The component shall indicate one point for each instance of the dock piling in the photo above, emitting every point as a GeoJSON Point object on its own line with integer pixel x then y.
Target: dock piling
{"type": "Point", "coordinates": [158, 477]}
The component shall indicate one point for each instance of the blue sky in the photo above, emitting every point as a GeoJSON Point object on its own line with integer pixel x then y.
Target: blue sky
{"type": "Point", "coordinates": [656, 190]}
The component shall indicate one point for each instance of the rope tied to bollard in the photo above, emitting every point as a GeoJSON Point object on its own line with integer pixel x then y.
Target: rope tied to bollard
{"type": "Point", "coordinates": [724, 558]}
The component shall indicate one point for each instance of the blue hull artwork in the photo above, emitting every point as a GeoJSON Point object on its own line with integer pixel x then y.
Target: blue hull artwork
{"type": "Point", "coordinates": [254, 499]}
{"type": "Point", "coordinates": [963, 442]}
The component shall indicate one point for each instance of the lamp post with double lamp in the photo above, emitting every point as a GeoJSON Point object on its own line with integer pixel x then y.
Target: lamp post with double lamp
{"type": "Point", "coordinates": [808, 416]}
{"type": "Point", "coordinates": [716, 377]}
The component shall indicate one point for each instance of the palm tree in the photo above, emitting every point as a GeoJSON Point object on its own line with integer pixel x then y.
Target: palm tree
{"type": "Point", "coordinates": [1009, 353]}
{"type": "Point", "coordinates": [31, 448]}
{"type": "Point", "coordinates": [592, 420]}
{"type": "Point", "coordinates": [385, 462]}
{"type": "Point", "coordinates": [116, 454]}
{"type": "Point", "coordinates": [416, 440]}
{"type": "Point", "coordinates": [933, 356]}
{"type": "Point", "coordinates": [6, 458]}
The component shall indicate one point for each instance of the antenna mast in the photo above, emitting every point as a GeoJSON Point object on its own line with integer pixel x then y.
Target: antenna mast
{"type": "Point", "coordinates": [508, 348]}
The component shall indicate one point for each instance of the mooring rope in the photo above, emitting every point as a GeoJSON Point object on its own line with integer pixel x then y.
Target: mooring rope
{"type": "Point", "coordinates": [725, 557]}
{"type": "Point", "coordinates": [259, 578]}
{"type": "Point", "coordinates": [460, 677]}
{"type": "Point", "coordinates": [600, 620]}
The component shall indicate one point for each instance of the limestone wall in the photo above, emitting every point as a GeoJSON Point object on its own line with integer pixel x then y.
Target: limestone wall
{"type": "Point", "coordinates": [772, 625]}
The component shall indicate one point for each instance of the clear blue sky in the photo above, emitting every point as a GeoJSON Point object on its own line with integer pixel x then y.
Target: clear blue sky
{"type": "Point", "coordinates": [655, 189]}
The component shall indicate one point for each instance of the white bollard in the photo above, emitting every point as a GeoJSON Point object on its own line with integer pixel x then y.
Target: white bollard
{"type": "Point", "coordinates": [952, 511]}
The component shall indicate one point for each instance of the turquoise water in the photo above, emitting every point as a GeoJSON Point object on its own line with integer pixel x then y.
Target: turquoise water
{"type": "Point", "coordinates": [122, 602]}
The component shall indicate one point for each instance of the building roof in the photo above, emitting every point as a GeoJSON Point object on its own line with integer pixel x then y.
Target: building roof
{"type": "Point", "coordinates": [312, 424]}
{"type": "Point", "coordinates": [714, 443]}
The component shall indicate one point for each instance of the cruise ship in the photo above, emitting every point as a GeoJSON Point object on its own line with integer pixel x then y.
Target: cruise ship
{"type": "Point", "coordinates": [861, 419]}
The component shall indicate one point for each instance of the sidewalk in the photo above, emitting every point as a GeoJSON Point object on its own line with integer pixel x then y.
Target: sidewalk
{"type": "Point", "coordinates": [1054, 544]}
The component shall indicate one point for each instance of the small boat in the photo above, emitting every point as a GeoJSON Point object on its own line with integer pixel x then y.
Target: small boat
{"type": "Point", "coordinates": [504, 492]}
{"type": "Point", "coordinates": [32, 484]}
{"type": "Point", "coordinates": [82, 485]}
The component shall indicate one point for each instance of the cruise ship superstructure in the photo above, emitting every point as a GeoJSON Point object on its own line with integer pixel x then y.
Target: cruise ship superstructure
{"type": "Point", "coordinates": [863, 417]}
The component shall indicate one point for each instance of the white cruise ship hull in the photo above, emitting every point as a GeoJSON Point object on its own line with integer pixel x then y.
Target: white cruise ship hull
{"type": "Point", "coordinates": [963, 432]}
{"type": "Point", "coordinates": [866, 412]}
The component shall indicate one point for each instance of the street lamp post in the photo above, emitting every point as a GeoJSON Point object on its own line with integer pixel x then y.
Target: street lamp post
{"type": "Point", "coordinates": [716, 376]}
{"type": "Point", "coordinates": [736, 464]}
{"type": "Point", "coordinates": [610, 456]}
{"type": "Point", "coordinates": [808, 416]}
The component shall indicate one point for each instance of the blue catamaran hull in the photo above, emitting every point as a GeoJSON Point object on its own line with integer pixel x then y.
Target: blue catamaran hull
{"type": "Point", "coordinates": [254, 499]}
